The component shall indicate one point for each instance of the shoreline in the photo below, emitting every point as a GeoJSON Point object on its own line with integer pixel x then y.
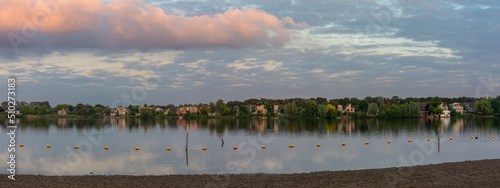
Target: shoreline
{"type": "Point", "coordinates": [481, 173]}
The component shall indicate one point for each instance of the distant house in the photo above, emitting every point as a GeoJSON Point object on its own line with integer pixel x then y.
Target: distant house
{"type": "Point", "coordinates": [123, 110]}
{"type": "Point", "coordinates": [443, 106]}
{"type": "Point", "coordinates": [457, 107]}
{"type": "Point", "coordinates": [468, 106]}
{"type": "Point", "coordinates": [261, 108]}
{"type": "Point", "coordinates": [63, 112]}
{"type": "Point", "coordinates": [187, 109]}
{"type": "Point", "coordinates": [347, 110]}
{"type": "Point", "coordinates": [171, 109]}
{"type": "Point", "coordinates": [113, 112]}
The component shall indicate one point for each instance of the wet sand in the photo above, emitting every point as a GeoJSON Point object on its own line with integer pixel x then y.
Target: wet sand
{"type": "Point", "coordinates": [484, 173]}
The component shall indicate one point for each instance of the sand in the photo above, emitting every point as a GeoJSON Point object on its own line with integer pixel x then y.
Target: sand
{"type": "Point", "coordinates": [483, 173]}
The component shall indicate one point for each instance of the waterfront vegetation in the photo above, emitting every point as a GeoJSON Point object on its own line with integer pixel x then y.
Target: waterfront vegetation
{"type": "Point", "coordinates": [370, 107]}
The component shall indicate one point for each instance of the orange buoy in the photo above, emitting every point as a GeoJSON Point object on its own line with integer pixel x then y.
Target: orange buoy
{"type": "Point", "coordinates": [137, 148]}
{"type": "Point", "coordinates": [21, 145]}
{"type": "Point", "coordinates": [367, 143]}
{"type": "Point", "coordinates": [105, 147]}
{"type": "Point", "coordinates": [168, 148]}
{"type": "Point", "coordinates": [235, 148]}
{"type": "Point", "coordinates": [389, 142]}
{"type": "Point", "coordinates": [318, 145]}
{"type": "Point", "coordinates": [451, 138]}
{"type": "Point", "coordinates": [263, 147]}
{"type": "Point", "coordinates": [428, 139]}
{"type": "Point", "coordinates": [409, 140]}
{"type": "Point", "coordinates": [48, 146]}
{"type": "Point", "coordinates": [204, 148]}
{"type": "Point", "coordinates": [76, 147]}
{"type": "Point", "coordinates": [291, 146]}
{"type": "Point", "coordinates": [343, 144]}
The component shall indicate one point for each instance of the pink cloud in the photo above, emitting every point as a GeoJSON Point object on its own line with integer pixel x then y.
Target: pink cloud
{"type": "Point", "coordinates": [136, 24]}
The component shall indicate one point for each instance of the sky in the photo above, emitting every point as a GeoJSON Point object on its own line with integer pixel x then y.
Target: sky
{"type": "Point", "coordinates": [163, 52]}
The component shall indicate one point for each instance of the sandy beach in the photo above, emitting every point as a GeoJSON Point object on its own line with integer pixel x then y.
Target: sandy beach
{"type": "Point", "coordinates": [483, 173]}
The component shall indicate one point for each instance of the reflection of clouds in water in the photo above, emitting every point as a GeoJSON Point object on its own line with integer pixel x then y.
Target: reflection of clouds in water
{"type": "Point", "coordinates": [324, 155]}
{"type": "Point", "coordinates": [133, 163]}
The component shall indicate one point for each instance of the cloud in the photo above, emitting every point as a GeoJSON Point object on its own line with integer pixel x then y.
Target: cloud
{"type": "Point", "coordinates": [135, 24]}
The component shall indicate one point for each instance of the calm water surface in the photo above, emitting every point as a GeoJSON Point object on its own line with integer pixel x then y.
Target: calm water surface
{"type": "Point", "coordinates": [153, 137]}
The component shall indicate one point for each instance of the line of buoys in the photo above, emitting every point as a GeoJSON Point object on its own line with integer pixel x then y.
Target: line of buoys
{"type": "Point", "coordinates": [21, 145]}
{"type": "Point", "coordinates": [264, 147]}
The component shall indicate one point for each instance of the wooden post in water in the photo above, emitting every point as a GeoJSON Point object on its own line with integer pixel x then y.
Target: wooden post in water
{"type": "Point", "coordinates": [186, 141]}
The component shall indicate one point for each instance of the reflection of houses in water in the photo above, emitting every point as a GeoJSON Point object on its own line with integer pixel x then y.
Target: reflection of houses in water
{"type": "Point", "coordinates": [348, 124]}
{"type": "Point", "coordinates": [62, 122]}
{"type": "Point", "coordinates": [445, 124]}
{"type": "Point", "coordinates": [458, 126]}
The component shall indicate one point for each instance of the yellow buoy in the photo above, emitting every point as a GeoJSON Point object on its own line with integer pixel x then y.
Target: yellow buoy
{"type": "Point", "coordinates": [76, 147]}
{"type": "Point", "coordinates": [428, 139]}
{"type": "Point", "coordinates": [263, 147]}
{"type": "Point", "coordinates": [367, 143]}
{"type": "Point", "coordinates": [389, 142]}
{"type": "Point", "coordinates": [409, 140]}
{"type": "Point", "coordinates": [204, 148]}
{"type": "Point", "coordinates": [318, 145]}
{"type": "Point", "coordinates": [137, 148]}
{"type": "Point", "coordinates": [472, 138]}
{"type": "Point", "coordinates": [168, 148]}
{"type": "Point", "coordinates": [235, 148]}
{"type": "Point", "coordinates": [48, 146]}
{"type": "Point", "coordinates": [105, 147]}
{"type": "Point", "coordinates": [21, 145]}
{"type": "Point", "coordinates": [451, 138]}
{"type": "Point", "coordinates": [291, 146]}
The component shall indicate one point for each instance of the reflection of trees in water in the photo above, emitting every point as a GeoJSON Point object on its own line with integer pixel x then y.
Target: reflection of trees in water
{"type": "Point", "coordinates": [292, 126]}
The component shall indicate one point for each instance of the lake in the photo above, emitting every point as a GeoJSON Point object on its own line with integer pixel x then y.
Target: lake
{"type": "Point", "coordinates": [152, 137]}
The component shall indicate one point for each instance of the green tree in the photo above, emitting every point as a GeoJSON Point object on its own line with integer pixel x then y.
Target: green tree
{"type": "Point", "coordinates": [204, 109]}
{"type": "Point", "coordinates": [483, 107]}
{"type": "Point", "coordinates": [363, 105]}
{"type": "Point", "coordinates": [330, 108]}
{"type": "Point", "coordinates": [495, 104]}
{"type": "Point", "coordinates": [98, 109]}
{"type": "Point", "coordinates": [311, 108]}
{"type": "Point", "coordinates": [211, 108]}
{"type": "Point", "coordinates": [42, 110]}
{"type": "Point", "coordinates": [372, 109]}
{"type": "Point", "coordinates": [220, 107]}
{"type": "Point", "coordinates": [436, 101]}
{"type": "Point", "coordinates": [438, 111]}
{"type": "Point", "coordinates": [291, 110]}
{"type": "Point", "coordinates": [321, 110]}
{"type": "Point", "coordinates": [243, 109]}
